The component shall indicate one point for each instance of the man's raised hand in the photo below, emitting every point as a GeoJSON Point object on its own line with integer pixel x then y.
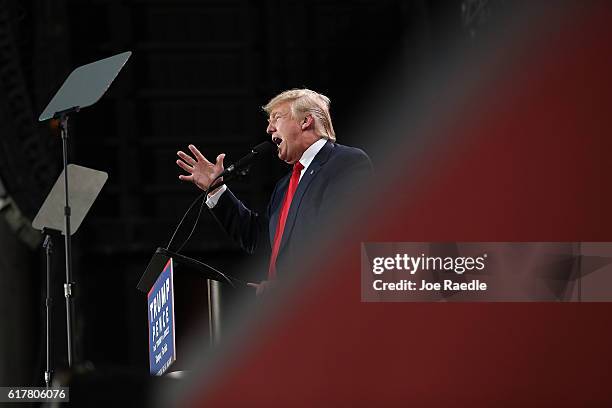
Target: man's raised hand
{"type": "Point", "coordinates": [201, 171]}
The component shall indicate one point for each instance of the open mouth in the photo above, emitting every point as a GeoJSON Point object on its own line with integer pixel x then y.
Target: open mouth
{"type": "Point", "coordinates": [277, 140]}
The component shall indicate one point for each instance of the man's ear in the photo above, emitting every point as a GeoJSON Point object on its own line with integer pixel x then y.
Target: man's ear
{"type": "Point", "coordinates": [307, 122]}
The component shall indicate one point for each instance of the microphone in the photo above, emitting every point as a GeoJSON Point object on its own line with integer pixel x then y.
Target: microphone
{"type": "Point", "coordinates": [261, 149]}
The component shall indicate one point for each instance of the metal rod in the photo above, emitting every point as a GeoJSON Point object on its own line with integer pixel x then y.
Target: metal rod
{"type": "Point", "coordinates": [214, 311]}
{"type": "Point", "coordinates": [48, 245]}
{"type": "Point", "coordinates": [68, 286]}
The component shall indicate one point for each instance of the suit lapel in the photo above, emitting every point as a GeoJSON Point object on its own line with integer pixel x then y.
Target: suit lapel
{"type": "Point", "coordinates": [309, 175]}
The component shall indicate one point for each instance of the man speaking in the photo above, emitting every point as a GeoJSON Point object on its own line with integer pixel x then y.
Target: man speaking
{"type": "Point", "coordinates": [302, 202]}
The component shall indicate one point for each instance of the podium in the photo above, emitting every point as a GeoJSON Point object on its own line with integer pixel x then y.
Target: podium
{"type": "Point", "coordinates": [177, 287]}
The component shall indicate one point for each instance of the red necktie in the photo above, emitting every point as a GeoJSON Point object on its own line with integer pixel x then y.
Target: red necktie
{"type": "Point", "coordinates": [278, 236]}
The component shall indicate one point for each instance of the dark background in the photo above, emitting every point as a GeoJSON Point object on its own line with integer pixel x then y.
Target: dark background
{"type": "Point", "coordinates": [199, 73]}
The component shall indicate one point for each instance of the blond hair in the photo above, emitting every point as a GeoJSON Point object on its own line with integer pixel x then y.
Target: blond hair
{"type": "Point", "coordinates": [306, 102]}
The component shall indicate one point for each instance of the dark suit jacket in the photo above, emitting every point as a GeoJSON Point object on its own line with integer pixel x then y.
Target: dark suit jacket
{"type": "Point", "coordinates": [325, 184]}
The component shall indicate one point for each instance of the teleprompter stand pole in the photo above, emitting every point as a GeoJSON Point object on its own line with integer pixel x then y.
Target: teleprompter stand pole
{"type": "Point", "coordinates": [69, 286]}
{"type": "Point", "coordinates": [48, 246]}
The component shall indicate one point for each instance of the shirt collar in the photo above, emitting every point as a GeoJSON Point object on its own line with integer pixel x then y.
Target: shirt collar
{"type": "Point", "coordinates": [311, 152]}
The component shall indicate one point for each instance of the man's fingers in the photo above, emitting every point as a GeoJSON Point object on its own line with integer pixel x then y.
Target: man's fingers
{"type": "Point", "coordinates": [199, 156]}
{"type": "Point", "coordinates": [219, 163]}
{"type": "Point", "coordinates": [186, 178]}
{"type": "Point", "coordinates": [187, 158]}
{"type": "Point", "coordinates": [184, 166]}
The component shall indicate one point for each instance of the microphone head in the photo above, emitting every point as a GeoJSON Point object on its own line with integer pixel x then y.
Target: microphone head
{"type": "Point", "coordinates": [261, 149]}
{"type": "Point", "coordinates": [266, 147]}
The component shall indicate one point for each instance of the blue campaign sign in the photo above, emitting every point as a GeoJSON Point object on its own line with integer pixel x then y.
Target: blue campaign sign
{"type": "Point", "coordinates": [162, 350]}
